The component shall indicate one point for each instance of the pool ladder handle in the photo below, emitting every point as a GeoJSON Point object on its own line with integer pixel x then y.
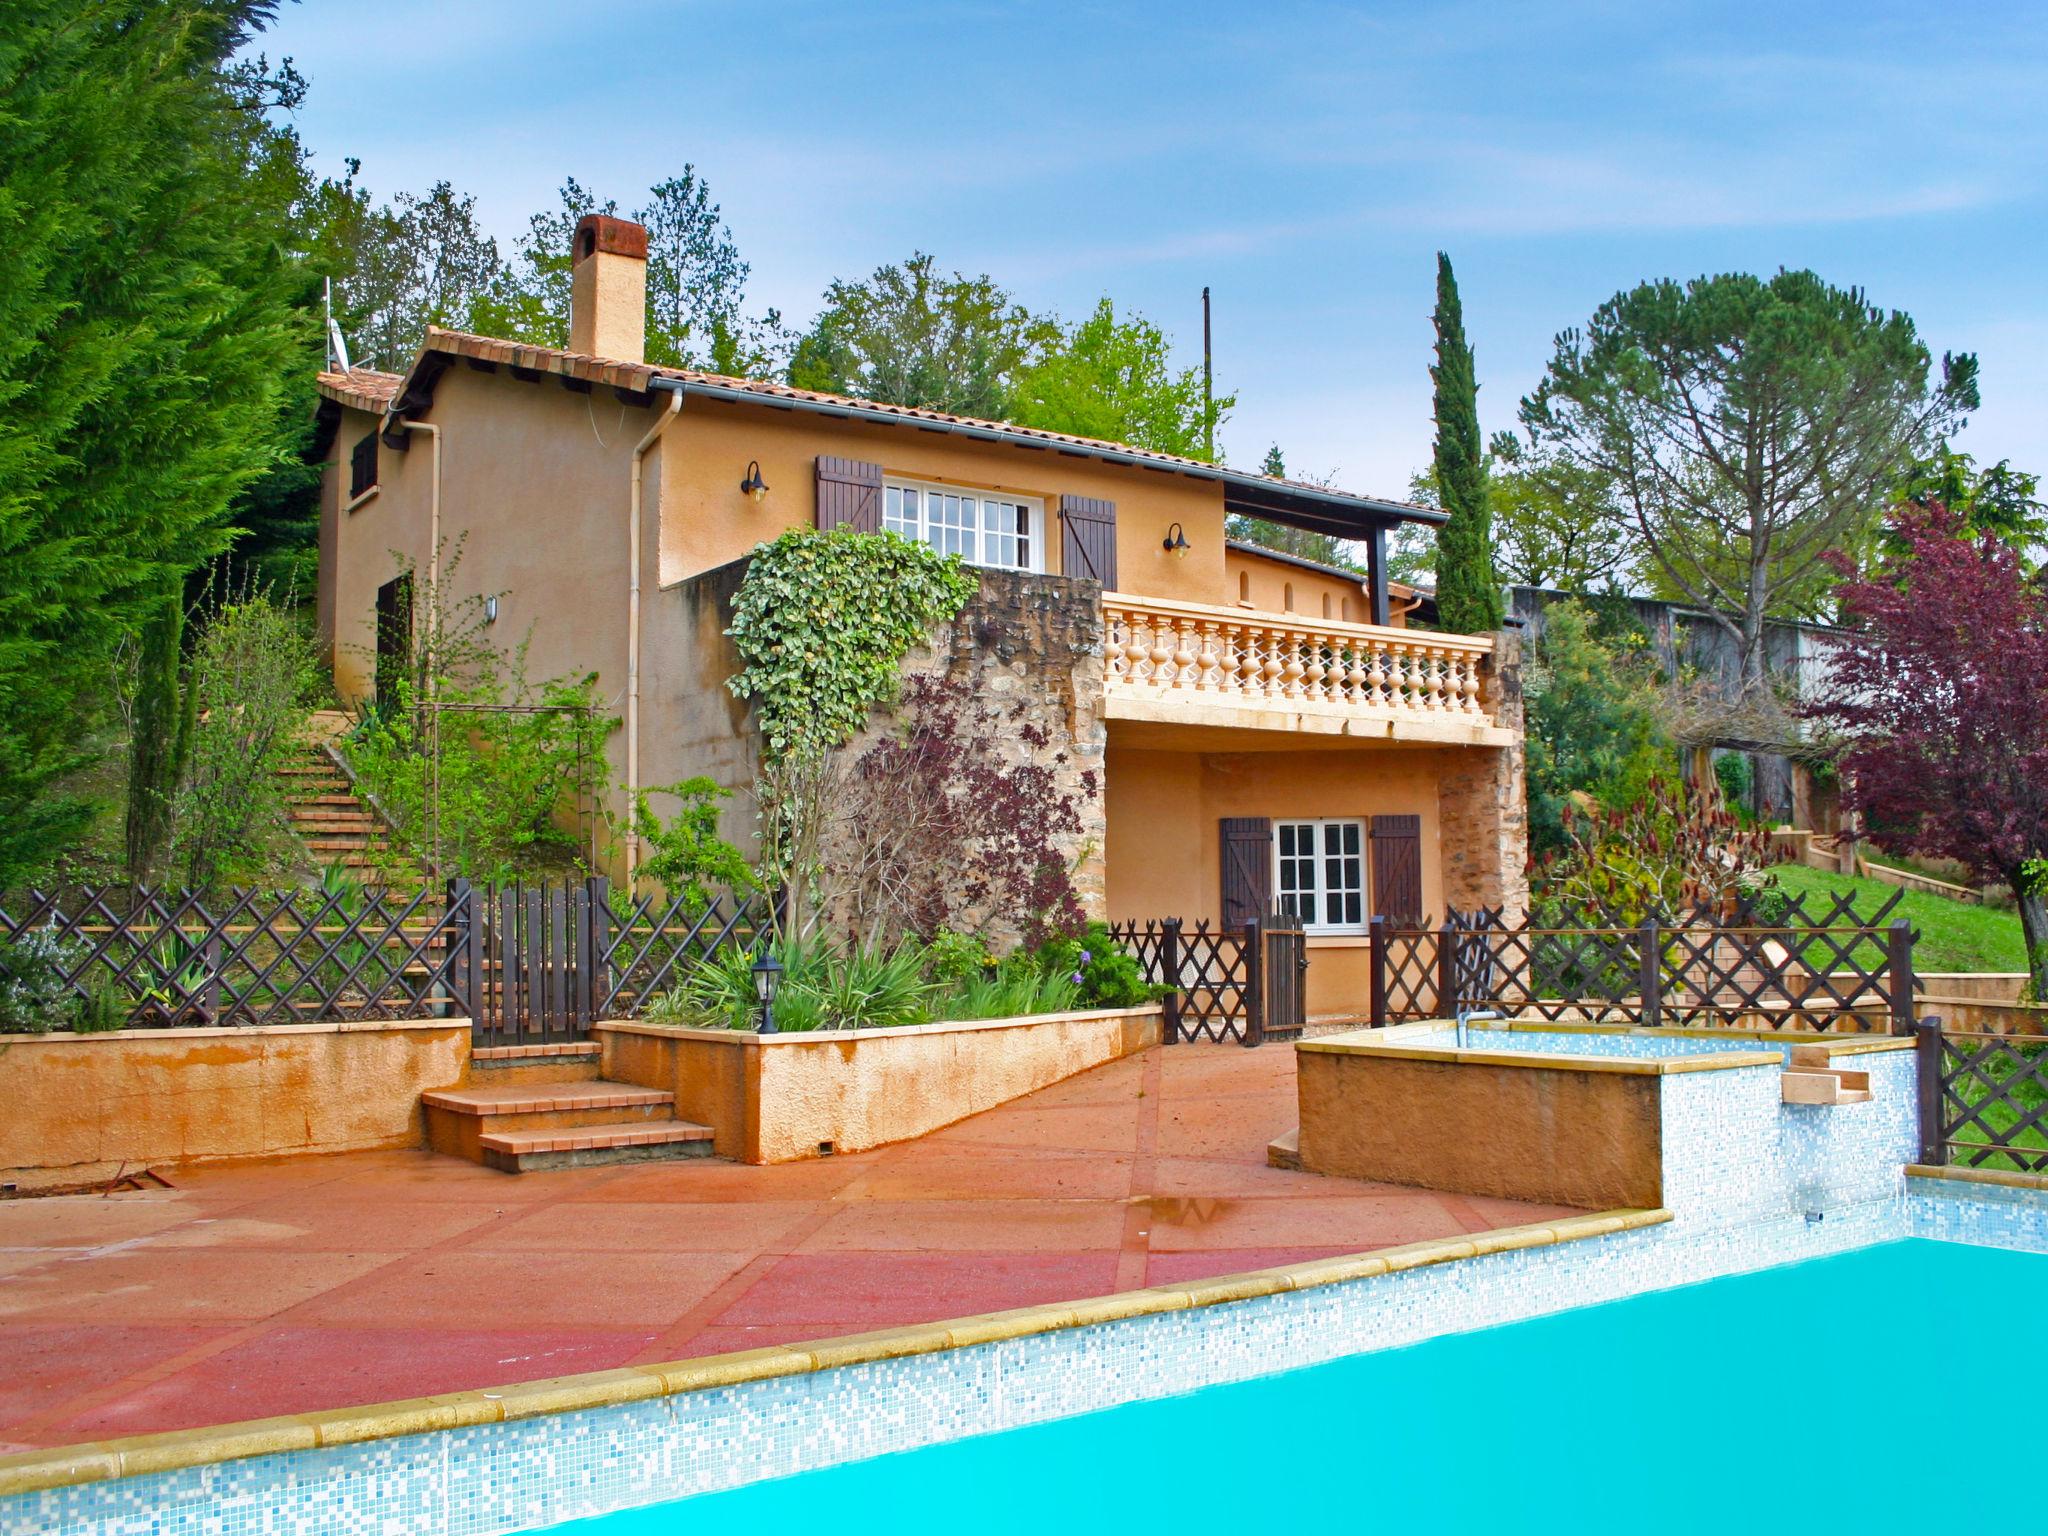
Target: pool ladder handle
{"type": "Point", "coordinates": [1465, 1019]}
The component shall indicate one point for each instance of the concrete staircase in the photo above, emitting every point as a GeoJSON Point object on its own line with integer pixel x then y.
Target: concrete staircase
{"type": "Point", "coordinates": [533, 1107]}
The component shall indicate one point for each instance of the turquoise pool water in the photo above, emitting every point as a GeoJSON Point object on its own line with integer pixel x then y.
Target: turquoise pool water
{"type": "Point", "coordinates": [1787, 1400]}
{"type": "Point", "coordinates": [1544, 1042]}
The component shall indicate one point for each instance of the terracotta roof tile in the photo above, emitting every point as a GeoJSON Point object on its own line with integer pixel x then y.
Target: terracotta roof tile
{"type": "Point", "coordinates": [385, 387]}
{"type": "Point", "coordinates": [364, 388]}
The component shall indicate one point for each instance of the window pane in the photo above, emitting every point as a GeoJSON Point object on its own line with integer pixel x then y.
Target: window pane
{"type": "Point", "coordinates": [899, 510]}
{"type": "Point", "coordinates": [1002, 541]}
{"type": "Point", "coordinates": [949, 523]}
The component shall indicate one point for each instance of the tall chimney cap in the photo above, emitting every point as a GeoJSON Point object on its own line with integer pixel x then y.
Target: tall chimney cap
{"type": "Point", "coordinates": [601, 232]}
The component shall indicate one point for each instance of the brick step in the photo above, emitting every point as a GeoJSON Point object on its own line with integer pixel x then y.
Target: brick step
{"type": "Point", "coordinates": [541, 1149]}
{"type": "Point", "coordinates": [314, 801]}
{"type": "Point", "coordinates": [573, 1061]}
{"type": "Point", "coordinates": [340, 842]}
{"type": "Point", "coordinates": [520, 1099]}
{"type": "Point", "coordinates": [336, 821]}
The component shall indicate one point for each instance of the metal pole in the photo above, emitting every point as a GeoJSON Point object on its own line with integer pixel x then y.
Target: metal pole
{"type": "Point", "coordinates": [1208, 384]}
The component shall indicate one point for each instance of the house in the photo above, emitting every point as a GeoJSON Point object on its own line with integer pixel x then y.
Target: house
{"type": "Point", "coordinates": [1718, 720]}
{"type": "Point", "coordinates": [1260, 728]}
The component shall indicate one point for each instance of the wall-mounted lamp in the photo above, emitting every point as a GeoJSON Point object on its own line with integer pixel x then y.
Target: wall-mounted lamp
{"type": "Point", "coordinates": [1176, 542]}
{"type": "Point", "coordinates": [490, 610]}
{"type": "Point", "coordinates": [754, 485]}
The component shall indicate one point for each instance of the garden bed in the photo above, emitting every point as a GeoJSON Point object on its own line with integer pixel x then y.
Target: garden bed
{"type": "Point", "coordinates": [784, 1097]}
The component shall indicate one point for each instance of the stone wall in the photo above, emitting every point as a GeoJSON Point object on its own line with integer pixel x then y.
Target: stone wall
{"type": "Point", "coordinates": [1030, 647]}
{"type": "Point", "coordinates": [1483, 812]}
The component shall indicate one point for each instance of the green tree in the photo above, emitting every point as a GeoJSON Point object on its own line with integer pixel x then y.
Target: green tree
{"type": "Point", "coordinates": [1113, 379]}
{"type": "Point", "coordinates": [149, 315]}
{"type": "Point", "coordinates": [696, 282]}
{"type": "Point", "coordinates": [1593, 729]}
{"type": "Point", "coordinates": [2000, 501]}
{"type": "Point", "coordinates": [1748, 427]}
{"type": "Point", "coordinates": [1468, 598]}
{"type": "Point", "coordinates": [910, 336]}
{"type": "Point", "coordinates": [1553, 524]}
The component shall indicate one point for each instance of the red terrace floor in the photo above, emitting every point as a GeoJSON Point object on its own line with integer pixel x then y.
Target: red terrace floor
{"type": "Point", "coordinates": [326, 1282]}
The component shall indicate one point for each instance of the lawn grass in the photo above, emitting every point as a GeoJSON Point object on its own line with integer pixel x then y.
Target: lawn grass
{"type": "Point", "coordinates": [1954, 935]}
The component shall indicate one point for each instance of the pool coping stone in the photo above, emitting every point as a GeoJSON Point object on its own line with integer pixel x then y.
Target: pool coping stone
{"type": "Point", "coordinates": [34, 1471]}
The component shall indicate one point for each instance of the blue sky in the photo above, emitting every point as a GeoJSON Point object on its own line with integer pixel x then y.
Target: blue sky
{"type": "Point", "coordinates": [1305, 161]}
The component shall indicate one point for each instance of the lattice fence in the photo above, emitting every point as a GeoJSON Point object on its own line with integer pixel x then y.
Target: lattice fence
{"type": "Point", "coordinates": [1214, 971]}
{"type": "Point", "coordinates": [1983, 1099]}
{"type": "Point", "coordinates": [159, 959]}
{"type": "Point", "coordinates": [1796, 963]}
{"type": "Point", "coordinates": [524, 962]}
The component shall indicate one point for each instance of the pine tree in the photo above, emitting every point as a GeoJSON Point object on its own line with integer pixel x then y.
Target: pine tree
{"type": "Point", "coordinates": [1468, 597]}
{"type": "Point", "coordinates": [147, 326]}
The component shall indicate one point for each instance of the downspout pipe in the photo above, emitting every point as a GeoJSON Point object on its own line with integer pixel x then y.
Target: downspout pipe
{"type": "Point", "coordinates": [669, 413]}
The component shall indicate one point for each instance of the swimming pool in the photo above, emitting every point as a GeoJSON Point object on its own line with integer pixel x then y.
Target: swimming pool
{"type": "Point", "coordinates": [1762, 1401]}
{"type": "Point", "coordinates": [1632, 1045]}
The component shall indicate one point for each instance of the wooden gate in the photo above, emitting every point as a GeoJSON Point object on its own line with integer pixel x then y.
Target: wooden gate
{"type": "Point", "coordinates": [1283, 980]}
{"type": "Point", "coordinates": [527, 971]}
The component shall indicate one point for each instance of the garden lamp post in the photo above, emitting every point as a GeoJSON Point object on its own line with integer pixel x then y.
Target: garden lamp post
{"type": "Point", "coordinates": [767, 977]}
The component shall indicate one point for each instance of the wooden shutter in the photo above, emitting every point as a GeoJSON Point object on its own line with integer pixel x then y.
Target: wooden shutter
{"type": "Point", "coordinates": [1247, 869]}
{"type": "Point", "coordinates": [1088, 539]}
{"type": "Point", "coordinates": [1397, 868]}
{"type": "Point", "coordinates": [849, 494]}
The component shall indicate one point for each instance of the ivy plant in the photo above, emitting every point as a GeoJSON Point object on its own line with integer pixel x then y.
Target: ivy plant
{"type": "Point", "coordinates": [822, 622]}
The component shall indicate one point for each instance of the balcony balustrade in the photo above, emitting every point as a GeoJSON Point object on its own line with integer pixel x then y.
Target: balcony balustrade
{"type": "Point", "coordinates": [1169, 660]}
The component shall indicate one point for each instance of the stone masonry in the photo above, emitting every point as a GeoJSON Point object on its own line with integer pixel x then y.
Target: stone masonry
{"type": "Point", "coordinates": [1031, 649]}
{"type": "Point", "coordinates": [1481, 806]}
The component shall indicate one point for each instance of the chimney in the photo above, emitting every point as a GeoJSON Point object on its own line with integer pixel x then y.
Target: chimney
{"type": "Point", "coordinates": [608, 289]}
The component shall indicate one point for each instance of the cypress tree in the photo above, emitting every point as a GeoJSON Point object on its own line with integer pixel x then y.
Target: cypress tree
{"type": "Point", "coordinates": [1468, 598]}
{"type": "Point", "coordinates": [149, 317]}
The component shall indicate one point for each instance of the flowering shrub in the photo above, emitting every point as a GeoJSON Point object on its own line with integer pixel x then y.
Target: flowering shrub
{"type": "Point", "coordinates": [1104, 975]}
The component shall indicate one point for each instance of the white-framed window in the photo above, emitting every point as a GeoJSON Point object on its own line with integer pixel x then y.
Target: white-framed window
{"type": "Point", "coordinates": [1319, 873]}
{"type": "Point", "coordinates": [982, 527]}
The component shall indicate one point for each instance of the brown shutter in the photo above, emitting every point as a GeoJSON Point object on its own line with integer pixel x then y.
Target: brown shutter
{"type": "Point", "coordinates": [1247, 869]}
{"type": "Point", "coordinates": [1397, 868]}
{"type": "Point", "coordinates": [849, 494]}
{"type": "Point", "coordinates": [1088, 539]}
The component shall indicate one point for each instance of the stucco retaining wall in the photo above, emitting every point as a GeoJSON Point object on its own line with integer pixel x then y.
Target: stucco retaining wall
{"type": "Point", "coordinates": [79, 1107]}
{"type": "Point", "coordinates": [781, 1098]}
{"type": "Point", "coordinates": [1520, 1132]}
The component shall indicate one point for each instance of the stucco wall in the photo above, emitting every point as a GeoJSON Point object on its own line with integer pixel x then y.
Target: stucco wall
{"type": "Point", "coordinates": [81, 1106]}
{"type": "Point", "coordinates": [782, 1098]}
{"type": "Point", "coordinates": [1543, 1133]}
{"type": "Point", "coordinates": [1165, 852]}
{"type": "Point", "coordinates": [706, 521]}
{"type": "Point", "coordinates": [1274, 586]}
